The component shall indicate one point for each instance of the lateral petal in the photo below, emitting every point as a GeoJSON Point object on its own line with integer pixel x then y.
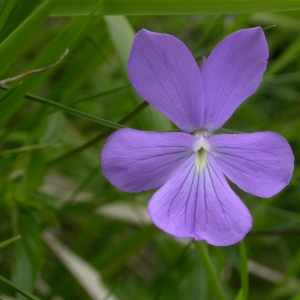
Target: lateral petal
{"type": "Point", "coordinates": [260, 163]}
{"type": "Point", "coordinates": [134, 160]}
{"type": "Point", "coordinates": [200, 205]}
{"type": "Point", "coordinates": [163, 72]}
{"type": "Point", "coordinates": [232, 73]}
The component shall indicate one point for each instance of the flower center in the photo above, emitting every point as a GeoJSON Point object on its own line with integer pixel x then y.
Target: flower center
{"type": "Point", "coordinates": [201, 147]}
{"type": "Point", "coordinates": [201, 158]}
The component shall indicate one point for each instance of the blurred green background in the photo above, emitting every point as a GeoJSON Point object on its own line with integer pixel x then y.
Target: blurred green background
{"type": "Point", "coordinates": [81, 238]}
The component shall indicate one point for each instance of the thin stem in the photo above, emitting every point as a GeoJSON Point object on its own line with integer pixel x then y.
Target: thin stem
{"type": "Point", "coordinates": [27, 149]}
{"type": "Point", "coordinates": [268, 27]}
{"type": "Point", "coordinates": [18, 289]}
{"type": "Point", "coordinates": [69, 110]}
{"type": "Point", "coordinates": [50, 111]}
{"type": "Point", "coordinates": [203, 254]}
{"type": "Point", "coordinates": [8, 80]}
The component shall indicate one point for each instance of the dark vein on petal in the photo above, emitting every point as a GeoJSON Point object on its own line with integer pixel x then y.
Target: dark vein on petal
{"type": "Point", "coordinates": [163, 165]}
{"type": "Point", "coordinates": [225, 84]}
{"type": "Point", "coordinates": [188, 200]}
{"type": "Point", "coordinates": [214, 188]}
{"type": "Point", "coordinates": [196, 203]}
{"type": "Point", "coordinates": [205, 203]}
{"type": "Point", "coordinates": [255, 163]}
{"type": "Point", "coordinates": [186, 176]}
{"type": "Point", "coordinates": [142, 160]}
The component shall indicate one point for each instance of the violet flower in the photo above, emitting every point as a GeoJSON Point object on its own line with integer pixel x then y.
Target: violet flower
{"type": "Point", "coordinates": [194, 198]}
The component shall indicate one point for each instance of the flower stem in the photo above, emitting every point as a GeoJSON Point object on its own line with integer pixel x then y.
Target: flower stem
{"type": "Point", "coordinates": [244, 270]}
{"type": "Point", "coordinates": [203, 254]}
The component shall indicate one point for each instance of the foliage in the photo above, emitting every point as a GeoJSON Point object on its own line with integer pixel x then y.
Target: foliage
{"type": "Point", "coordinates": [81, 238]}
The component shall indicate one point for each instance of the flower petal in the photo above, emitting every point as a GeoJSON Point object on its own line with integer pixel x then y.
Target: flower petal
{"type": "Point", "coordinates": [163, 72]}
{"type": "Point", "coordinates": [200, 205]}
{"type": "Point", "coordinates": [260, 163]}
{"type": "Point", "coordinates": [134, 160]}
{"type": "Point", "coordinates": [232, 73]}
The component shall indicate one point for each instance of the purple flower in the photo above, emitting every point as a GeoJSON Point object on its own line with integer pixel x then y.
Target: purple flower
{"type": "Point", "coordinates": [189, 167]}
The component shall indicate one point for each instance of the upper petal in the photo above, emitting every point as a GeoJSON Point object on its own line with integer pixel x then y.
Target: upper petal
{"type": "Point", "coordinates": [200, 205]}
{"type": "Point", "coordinates": [134, 160]}
{"type": "Point", "coordinates": [163, 72]}
{"type": "Point", "coordinates": [260, 163]}
{"type": "Point", "coordinates": [232, 73]}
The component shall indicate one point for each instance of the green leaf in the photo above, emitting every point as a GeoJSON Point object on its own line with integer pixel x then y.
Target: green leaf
{"type": "Point", "coordinates": [240, 295]}
{"type": "Point", "coordinates": [164, 7]}
{"type": "Point", "coordinates": [66, 39]}
{"type": "Point", "coordinates": [5, 8]}
{"type": "Point", "coordinates": [28, 254]}
{"type": "Point", "coordinates": [297, 297]}
{"type": "Point", "coordinates": [35, 170]}
{"type": "Point", "coordinates": [289, 56]}
{"type": "Point", "coordinates": [122, 36]}
{"type": "Point", "coordinates": [14, 43]}
{"type": "Point", "coordinates": [20, 11]}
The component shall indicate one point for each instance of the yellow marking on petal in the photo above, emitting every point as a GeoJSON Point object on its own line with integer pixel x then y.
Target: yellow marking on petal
{"type": "Point", "coordinates": [201, 158]}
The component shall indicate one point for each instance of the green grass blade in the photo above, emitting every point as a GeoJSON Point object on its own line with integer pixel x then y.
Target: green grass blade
{"type": "Point", "coordinates": [71, 111]}
{"type": "Point", "coordinates": [26, 149]}
{"type": "Point", "coordinates": [201, 249]}
{"type": "Point", "coordinates": [14, 43]}
{"type": "Point", "coordinates": [155, 7]}
{"type": "Point", "coordinates": [74, 112]}
{"type": "Point", "coordinates": [100, 136]}
{"type": "Point", "coordinates": [67, 38]}
{"type": "Point", "coordinates": [9, 241]}
{"type": "Point", "coordinates": [19, 290]}
{"type": "Point", "coordinates": [5, 9]}
{"type": "Point", "coordinates": [282, 21]}
{"type": "Point", "coordinates": [19, 13]}
{"type": "Point", "coordinates": [28, 254]}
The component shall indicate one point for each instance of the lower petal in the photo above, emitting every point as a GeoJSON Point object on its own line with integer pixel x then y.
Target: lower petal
{"type": "Point", "coordinates": [200, 205]}
{"type": "Point", "coordinates": [260, 163]}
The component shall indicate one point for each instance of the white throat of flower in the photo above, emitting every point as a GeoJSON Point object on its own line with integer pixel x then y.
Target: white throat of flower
{"type": "Point", "coordinates": [201, 147]}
